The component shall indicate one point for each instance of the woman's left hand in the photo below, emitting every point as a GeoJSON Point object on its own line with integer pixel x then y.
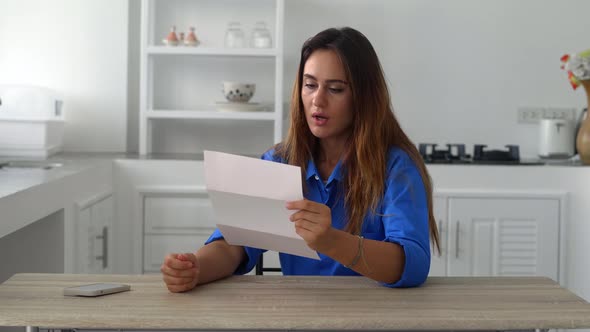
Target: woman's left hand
{"type": "Point", "coordinates": [313, 222]}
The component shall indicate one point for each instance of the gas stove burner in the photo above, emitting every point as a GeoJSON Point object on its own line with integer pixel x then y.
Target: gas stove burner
{"type": "Point", "coordinates": [455, 154]}
{"type": "Point", "coordinates": [510, 156]}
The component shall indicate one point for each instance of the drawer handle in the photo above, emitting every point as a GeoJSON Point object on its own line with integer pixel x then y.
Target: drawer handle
{"type": "Point", "coordinates": [105, 247]}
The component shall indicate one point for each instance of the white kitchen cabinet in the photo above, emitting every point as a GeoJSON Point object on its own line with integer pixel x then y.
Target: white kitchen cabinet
{"type": "Point", "coordinates": [499, 235]}
{"type": "Point", "coordinates": [177, 222]}
{"type": "Point", "coordinates": [438, 264]}
{"type": "Point", "coordinates": [94, 224]}
{"type": "Point", "coordinates": [174, 222]}
{"type": "Point", "coordinates": [183, 83]}
{"type": "Point", "coordinates": [157, 246]}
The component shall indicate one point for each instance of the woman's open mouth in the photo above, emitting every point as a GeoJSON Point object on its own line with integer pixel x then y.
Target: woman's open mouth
{"type": "Point", "coordinates": [319, 119]}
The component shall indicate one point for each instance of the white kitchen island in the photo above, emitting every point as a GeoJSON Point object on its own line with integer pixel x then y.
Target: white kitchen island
{"type": "Point", "coordinates": [37, 211]}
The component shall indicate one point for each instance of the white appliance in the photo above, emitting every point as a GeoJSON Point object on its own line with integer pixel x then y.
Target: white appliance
{"type": "Point", "coordinates": [31, 121]}
{"type": "Point", "coordinates": [556, 138]}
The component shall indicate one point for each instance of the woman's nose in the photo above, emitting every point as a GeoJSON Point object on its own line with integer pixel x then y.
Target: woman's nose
{"type": "Point", "coordinates": [319, 99]}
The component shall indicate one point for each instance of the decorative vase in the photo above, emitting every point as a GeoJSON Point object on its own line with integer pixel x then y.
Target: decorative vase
{"type": "Point", "coordinates": [191, 40]}
{"type": "Point", "coordinates": [583, 138]}
{"type": "Point", "coordinates": [171, 38]}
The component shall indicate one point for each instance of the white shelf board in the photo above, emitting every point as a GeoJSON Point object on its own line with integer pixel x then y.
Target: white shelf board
{"type": "Point", "coordinates": [208, 114]}
{"type": "Point", "coordinates": [187, 50]}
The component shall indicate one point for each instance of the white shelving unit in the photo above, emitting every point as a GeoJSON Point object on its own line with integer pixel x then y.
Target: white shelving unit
{"type": "Point", "coordinates": [184, 82]}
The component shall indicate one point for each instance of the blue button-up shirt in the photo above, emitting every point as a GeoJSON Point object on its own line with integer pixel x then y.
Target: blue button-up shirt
{"type": "Point", "coordinates": [402, 218]}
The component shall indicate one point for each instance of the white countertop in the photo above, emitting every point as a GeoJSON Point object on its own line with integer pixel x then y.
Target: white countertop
{"type": "Point", "coordinates": [23, 181]}
{"type": "Point", "coordinates": [16, 180]}
{"type": "Point", "coordinates": [29, 194]}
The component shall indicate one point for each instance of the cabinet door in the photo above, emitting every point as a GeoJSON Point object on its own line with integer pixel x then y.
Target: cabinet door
{"type": "Point", "coordinates": [84, 248]}
{"type": "Point", "coordinates": [158, 246]}
{"type": "Point", "coordinates": [503, 237]}
{"type": "Point", "coordinates": [94, 232]}
{"type": "Point", "coordinates": [438, 262]}
{"type": "Point", "coordinates": [168, 213]}
{"type": "Point", "coordinates": [174, 223]}
{"type": "Point", "coordinates": [101, 219]}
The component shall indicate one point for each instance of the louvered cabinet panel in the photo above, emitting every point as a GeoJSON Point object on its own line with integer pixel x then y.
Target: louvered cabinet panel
{"type": "Point", "coordinates": [518, 241]}
{"type": "Point", "coordinates": [503, 237]}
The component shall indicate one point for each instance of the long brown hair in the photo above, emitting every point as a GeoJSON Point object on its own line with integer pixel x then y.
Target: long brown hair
{"type": "Point", "coordinates": [374, 131]}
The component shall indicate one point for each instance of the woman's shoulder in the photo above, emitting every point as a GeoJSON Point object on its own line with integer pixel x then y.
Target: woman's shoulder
{"type": "Point", "coordinates": [398, 159]}
{"type": "Point", "coordinates": [402, 169]}
{"type": "Point", "coordinates": [273, 155]}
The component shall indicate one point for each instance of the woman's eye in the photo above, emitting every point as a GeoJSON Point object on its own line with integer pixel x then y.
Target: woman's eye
{"type": "Point", "coordinates": [336, 90]}
{"type": "Point", "coordinates": [310, 85]}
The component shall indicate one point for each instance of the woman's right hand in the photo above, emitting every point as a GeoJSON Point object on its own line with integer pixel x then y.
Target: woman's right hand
{"type": "Point", "coordinates": [180, 272]}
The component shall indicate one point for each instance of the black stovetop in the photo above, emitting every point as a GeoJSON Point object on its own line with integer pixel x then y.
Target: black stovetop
{"type": "Point", "coordinates": [457, 154]}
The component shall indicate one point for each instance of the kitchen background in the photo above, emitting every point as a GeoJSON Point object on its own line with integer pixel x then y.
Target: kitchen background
{"type": "Point", "coordinates": [458, 69]}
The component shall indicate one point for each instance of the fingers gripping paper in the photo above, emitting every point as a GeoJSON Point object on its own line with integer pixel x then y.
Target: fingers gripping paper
{"type": "Point", "coordinates": [248, 197]}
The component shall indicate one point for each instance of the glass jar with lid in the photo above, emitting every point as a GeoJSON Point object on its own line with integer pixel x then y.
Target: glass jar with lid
{"type": "Point", "coordinates": [261, 36]}
{"type": "Point", "coordinates": [234, 35]}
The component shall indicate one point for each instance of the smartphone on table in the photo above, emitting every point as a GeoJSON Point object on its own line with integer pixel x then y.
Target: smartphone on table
{"type": "Point", "coordinates": [97, 289]}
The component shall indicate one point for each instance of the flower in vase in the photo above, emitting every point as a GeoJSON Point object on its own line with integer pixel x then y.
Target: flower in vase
{"type": "Point", "coordinates": [577, 67]}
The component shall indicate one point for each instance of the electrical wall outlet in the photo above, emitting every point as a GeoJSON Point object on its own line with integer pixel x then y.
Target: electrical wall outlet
{"type": "Point", "coordinates": [560, 113]}
{"type": "Point", "coordinates": [531, 114]}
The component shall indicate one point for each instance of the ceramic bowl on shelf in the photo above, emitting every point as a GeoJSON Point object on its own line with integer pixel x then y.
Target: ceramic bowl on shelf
{"type": "Point", "coordinates": [237, 92]}
{"type": "Point", "coordinates": [225, 106]}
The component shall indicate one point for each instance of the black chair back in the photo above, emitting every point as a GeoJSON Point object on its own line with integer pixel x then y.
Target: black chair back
{"type": "Point", "coordinates": [260, 269]}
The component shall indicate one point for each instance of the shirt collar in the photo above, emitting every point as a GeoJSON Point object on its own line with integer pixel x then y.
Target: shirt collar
{"type": "Point", "coordinates": [312, 171]}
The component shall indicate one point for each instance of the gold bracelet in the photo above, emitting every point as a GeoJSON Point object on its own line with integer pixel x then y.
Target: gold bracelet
{"type": "Point", "coordinates": [359, 253]}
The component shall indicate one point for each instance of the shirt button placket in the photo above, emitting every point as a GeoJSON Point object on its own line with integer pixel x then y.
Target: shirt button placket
{"type": "Point", "coordinates": [323, 192]}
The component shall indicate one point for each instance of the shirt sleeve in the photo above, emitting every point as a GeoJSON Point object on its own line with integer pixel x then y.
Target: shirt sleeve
{"type": "Point", "coordinates": [252, 254]}
{"type": "Point", "coordinates": [405, 219]}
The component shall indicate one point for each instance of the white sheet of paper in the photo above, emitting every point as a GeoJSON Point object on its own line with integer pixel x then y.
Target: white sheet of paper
{"type": "Point", "coordinates": [248, 197]}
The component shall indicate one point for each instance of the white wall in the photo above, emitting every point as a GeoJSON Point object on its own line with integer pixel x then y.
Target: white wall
{"type": "Point", "coordinates": [78, 48]}
{"type": "Point", "coordinates": [458, 69]}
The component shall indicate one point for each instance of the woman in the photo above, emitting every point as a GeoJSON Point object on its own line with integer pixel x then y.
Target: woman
{"type": "Point", "coordinates": [368, 197]}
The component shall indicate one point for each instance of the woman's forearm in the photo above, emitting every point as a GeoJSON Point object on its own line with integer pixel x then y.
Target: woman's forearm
{"type": "Point", "coordinates": [218, 260]}
{"type": "Point", "coordinates": [378, 260]}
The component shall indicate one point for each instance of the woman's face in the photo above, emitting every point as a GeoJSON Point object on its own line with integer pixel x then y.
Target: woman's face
{"type": "Point", "coordinates": [326, 96]}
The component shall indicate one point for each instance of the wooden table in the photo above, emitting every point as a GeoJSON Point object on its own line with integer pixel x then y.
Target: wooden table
{"type": "Point", "coordinates": [294, 303]}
